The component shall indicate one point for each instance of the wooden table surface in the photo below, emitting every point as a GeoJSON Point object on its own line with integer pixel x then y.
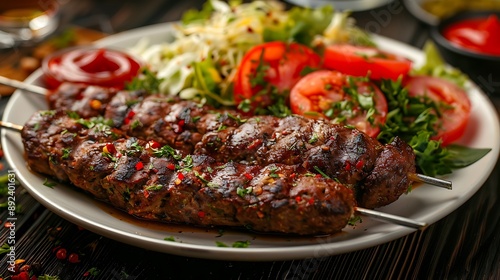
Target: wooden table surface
{"type": "Point", "coordinates": [463, 245]}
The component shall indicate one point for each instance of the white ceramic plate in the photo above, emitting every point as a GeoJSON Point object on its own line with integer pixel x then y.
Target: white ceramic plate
{"type": "Point", "coordinates": [426, 203]}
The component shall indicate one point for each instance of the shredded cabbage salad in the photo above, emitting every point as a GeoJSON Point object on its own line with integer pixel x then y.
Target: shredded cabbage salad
{"type": "Point", "coordinates": [201, 61]}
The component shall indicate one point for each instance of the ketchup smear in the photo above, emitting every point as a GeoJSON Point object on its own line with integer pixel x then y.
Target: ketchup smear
{"type": "Point", "coordinates": [481, 35]}
{"type": "Point", "coordinates": [93, 66]}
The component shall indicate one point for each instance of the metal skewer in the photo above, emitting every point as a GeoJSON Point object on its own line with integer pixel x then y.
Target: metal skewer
{"type": "Point", "coordinates": [11, 126]}
{"type": "Point", "coordinates": [40, 90]}
{"type": "Point", "coordinates": [22, 85]}
{"type": "Point", "coordinates": [391, 218]}
{"type": "Point", "coordinates": [367, 212]}
{"type": "Point", "coordinates": [430, 180]}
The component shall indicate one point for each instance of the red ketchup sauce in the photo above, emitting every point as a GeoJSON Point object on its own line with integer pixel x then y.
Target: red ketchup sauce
{"type": "Point", "coordinates": [480, 35]}
{"type": "Point", "coordinates": [93, 66]}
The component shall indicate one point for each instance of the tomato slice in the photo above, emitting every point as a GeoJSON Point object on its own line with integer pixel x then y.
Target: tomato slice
{"type": "Point", "coordinates": [454, 116]}
{"type": "Point", "coordinates": [271, 66]}
{"type": "Point", "coordinates": [361, 61]}
{"type": "Point", "coordinates": [344, 99]}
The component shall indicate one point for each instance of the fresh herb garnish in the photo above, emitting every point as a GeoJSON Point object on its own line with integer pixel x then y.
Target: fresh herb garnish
{"type": "Point", "coordinates": [48, 184]}
{"type": "Point", "coordinates": [147, 80]}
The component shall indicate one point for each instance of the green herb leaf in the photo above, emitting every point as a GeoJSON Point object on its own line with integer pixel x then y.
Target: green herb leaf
{"type": "Point", "coordinates": [437, 67]}
{"type": "Point", "coordinates": [48, 184]}
{"type": "Point", "coordinates": [146, 80]}
{"type": "Point", "coordinates": [170, 238]}
{"type": "Point", "coordinates": [460, 156]}
{"type": "Point", "coordinates": [5, 248]}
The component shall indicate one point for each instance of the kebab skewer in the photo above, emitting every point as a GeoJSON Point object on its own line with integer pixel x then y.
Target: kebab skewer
{"type": "Point", "coordinates": [335, 151]}
{"type": "Point", "coordinates": [155, 183]}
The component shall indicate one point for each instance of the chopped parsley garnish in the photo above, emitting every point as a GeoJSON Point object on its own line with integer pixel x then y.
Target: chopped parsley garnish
{"type": "Point", "coordinates": [354, 220]}
{"type": "Point", "coordinates": [313, 139]}
{"type": "Point", "coordinates": [147, 80]}
{"type": "Point", "coordinates": [237, 244]}
{"type": "Point", "coordinates": [153, 187]}
{"type": "Point", "coordinates": [244, 191]}
{"type": "Point", "coordinates": [166, 151]}
{"type": "Point", "coordinates": [66, 153]}
{"type": "Point", "coordinates": [135, 124]}
{"type": "Point", "coordinates": [321, 172]}
{"type": "Point", "coordinates": [169, 238]}
{"type": "Point", "coordinates": [49, 184]}
{"type": "Point", "coordinates": [73, 115]}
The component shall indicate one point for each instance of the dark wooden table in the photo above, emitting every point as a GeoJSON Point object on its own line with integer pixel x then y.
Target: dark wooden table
{"type": "Point", "coordinates": [463, 245]}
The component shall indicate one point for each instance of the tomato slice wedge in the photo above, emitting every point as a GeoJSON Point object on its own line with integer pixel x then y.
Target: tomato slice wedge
{"type": "Point", "coordinates": [269, 67]}
{"type": "Point", "coordinates": [361, 61]}
{"type": "Point", "coordinates": [344, 99]}
{"type": "Point", "coordinates": [454, 116]}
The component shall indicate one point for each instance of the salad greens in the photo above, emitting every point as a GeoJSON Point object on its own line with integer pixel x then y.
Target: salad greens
{"type": "Point", "coordinates": [208, 44]}
{"type": "Point", "coordinates": [413, 120]}
{"type": "Point", "coordinates": [436, 67]}
{"type": "Point", "coordinates": [202, 60]}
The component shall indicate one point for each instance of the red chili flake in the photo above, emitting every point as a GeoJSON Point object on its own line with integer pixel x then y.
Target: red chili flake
{"type": "Point", "coordinates": [201, 214]}
{"type": "Point", "coordinates": [171, 166]}
{"type": "Point", "coordinates": [180, 176]}
{"type": "Point", "coordinates": [24, 275]}
{"type": "Point", "coordinates": [154, 145]}
{"type": "Point", "coordinates": [180, 126]}
{"type": "Point", "coordinates": [146, 193]}
{"type": "Point", "coordinates": [74, 258]}
{"type": "Point", "coordinates": [129, 117]}
{"type": "Point", "coordinates": [61, 254]}
{"type": "Point", "coordinates": [347, 166]}
{"type": "Point", "coordinates": [111, 148]}
{"type": "Point", "coordinates": [139, 166]}
{"type": "Point", "coordinates": [254, 143]}
{"type": "Point", "coordinates": [130, 114]}
{"type": "Point", "coordinates": [318, 176]}
{"type": "Point", "coordinates": [293, 175]}
{"type": "Point", "coordinates": [298, 198]}
{"type": "Point", "coordinates": [360, 164]}
{"type": "Point", "coordinates": [311, 201]}
{"type": "Point", "coordinates": [332, 138]}
{"type": "Point", "coordinates": [248, 176]}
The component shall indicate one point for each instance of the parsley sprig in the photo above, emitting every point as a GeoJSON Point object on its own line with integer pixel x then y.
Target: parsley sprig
{"type": "Point", "coordinates": [414, 120]}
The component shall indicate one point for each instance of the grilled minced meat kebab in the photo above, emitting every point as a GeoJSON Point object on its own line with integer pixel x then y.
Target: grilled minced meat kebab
{"type": "Point", "coordinates": [377, 173]}
{"type": "Point", "coordinates": [156, 182]}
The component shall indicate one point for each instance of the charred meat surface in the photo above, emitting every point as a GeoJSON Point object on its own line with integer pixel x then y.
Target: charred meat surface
{"type": "Point", "coordinates": [157, 183]}
{"type": "Point", "coordinates": [377, 173]}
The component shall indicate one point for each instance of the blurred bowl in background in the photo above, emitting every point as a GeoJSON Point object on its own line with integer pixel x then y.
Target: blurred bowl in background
{"type": "Point", "coordinates": [482, 67]}
{"type": "Point", "coordinates": [27, 21]}
{"type": "Point", "coordinates": [342, 5]}
{"type": "Point", "coordinates": [433, 11]}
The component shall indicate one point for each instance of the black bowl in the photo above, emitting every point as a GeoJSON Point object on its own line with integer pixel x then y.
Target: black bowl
{"type": "Point", "coordinates": [482, 69]}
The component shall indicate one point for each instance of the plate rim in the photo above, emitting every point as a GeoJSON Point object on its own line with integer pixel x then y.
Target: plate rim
{"type": "Point", "coordinates": [212, 252]}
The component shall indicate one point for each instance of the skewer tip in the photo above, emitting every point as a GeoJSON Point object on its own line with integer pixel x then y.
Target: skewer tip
{"type": "Point", "coordinates": [430, 180]}
{"type": "Point", "coordinates": [391, 218]}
